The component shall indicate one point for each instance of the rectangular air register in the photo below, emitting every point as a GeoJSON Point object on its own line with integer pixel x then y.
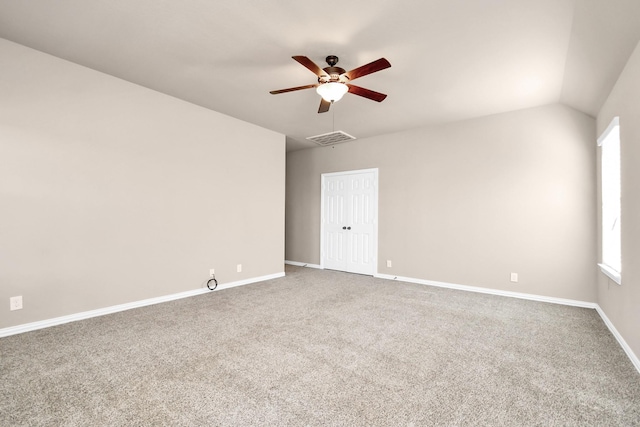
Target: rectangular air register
{"type": "Point", "coordinates": [331, 138]}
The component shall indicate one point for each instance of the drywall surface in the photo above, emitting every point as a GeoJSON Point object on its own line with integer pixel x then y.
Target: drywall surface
{"type": "Point", "coordinates": [470, 202]}
{"type": "Point", "coordinates": [112, 193]}
{"type": "Point", "coordinates": [621, 303]}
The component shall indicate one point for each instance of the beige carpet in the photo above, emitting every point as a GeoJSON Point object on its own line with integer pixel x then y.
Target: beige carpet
{"type": "Point", "coordinates": [323, 348]}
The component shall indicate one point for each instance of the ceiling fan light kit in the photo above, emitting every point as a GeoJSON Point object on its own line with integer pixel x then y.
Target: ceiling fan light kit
{"type": "Point", "coordinates": [333, 82]}
{"type": "Point", "coordinates": [332, 91]}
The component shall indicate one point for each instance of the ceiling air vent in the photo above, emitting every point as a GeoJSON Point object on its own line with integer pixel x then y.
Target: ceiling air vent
{"type": "Point", "coordinates": [331, 138]}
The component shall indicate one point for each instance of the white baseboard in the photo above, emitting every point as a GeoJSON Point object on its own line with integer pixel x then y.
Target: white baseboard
{"type": "Point", "coordinates": [304, 264]}
{"type": "Point", "coordinates": [511, 294]}
{"type": "Point", "coordinates": [632, 356]}
{"type": "Point", "coordinates": [575, 303]}
{"type": "Point", "coordinates": [27, 327]}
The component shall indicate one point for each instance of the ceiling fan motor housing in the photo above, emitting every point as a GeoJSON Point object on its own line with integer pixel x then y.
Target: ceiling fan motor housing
{"type": "Point", "coordinates": [334, 74]}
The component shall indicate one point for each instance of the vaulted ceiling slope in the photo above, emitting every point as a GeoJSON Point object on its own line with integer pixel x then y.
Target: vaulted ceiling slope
{"type": "Point", "coordinates": [451, 59]}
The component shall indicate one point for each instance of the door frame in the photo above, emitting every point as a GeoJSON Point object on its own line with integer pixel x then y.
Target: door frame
{"type": "Point", "coordinates": [374, 249]}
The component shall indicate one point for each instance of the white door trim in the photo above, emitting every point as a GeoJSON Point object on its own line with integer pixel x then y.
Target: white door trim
{"type": "Point", "coordinates": [375, 228]}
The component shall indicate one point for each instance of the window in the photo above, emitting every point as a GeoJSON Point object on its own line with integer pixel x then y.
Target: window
{"type": "Point", "coordinates": [609, 143]}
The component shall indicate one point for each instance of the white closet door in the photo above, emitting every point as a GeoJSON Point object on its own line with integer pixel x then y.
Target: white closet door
{"type": "Point", "coordinates": [350, 221]}
{"type": "Point", "coordinates": [335, 218]}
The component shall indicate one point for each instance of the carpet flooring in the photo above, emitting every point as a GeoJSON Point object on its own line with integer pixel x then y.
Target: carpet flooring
{"type": "Point", "coordinates": [323, 348]}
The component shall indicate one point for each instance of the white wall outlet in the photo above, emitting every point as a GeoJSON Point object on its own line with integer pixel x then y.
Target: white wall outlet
{"type": "Point", "coordinates": [239, 268]}
{"type": "Point", "coordinates": [514, 277]}
{"type": "Point", "coordinates": [212, 272]}
{"type": "Point", "coordinates": [15, 303]}
{"type": "Point", "coordinates": [389, 263]}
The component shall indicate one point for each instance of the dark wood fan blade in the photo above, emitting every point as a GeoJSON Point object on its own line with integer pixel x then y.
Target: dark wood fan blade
{"type": "Point", "coordinates": [291, 89]}
{"type": "Point", "coordinates": [309, 64]}
{"type": "Point", "coordinates": [369, 68]}
{"type": "Point", "coordinates": [324, 106]}
{"type": "Point", "coordinates": [367, 93]}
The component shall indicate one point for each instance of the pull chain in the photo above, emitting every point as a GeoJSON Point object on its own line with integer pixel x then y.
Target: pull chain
{"type": "Point", "coordinates": [333, 118]}
{"type": "Point", "coordinates": [333, 121]}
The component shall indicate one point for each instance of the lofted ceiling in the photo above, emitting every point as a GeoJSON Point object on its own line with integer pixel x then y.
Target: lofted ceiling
{"type": "Point", "coordinates": [451, 59]}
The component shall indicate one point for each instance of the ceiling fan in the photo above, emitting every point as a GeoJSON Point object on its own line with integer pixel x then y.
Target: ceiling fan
{"type": "Point", "coordinates": [333, 82]}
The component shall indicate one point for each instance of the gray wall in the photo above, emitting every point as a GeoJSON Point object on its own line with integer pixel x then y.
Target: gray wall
{"type": "Point", "coordinates": [470, 202]}
{"type": "Point", "coordinates": [621, 304]}
{"type": "Point", "coordinates": [112, 193]}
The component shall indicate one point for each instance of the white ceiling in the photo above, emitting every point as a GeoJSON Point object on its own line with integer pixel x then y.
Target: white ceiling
{"type": "Point", "coordinates": [451, 59]}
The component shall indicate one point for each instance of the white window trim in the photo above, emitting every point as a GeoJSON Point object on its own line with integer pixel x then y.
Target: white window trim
{"type": "Point", "coordinates": [611, 273]}
{"type": "Point", "coordinates": [614, 123]}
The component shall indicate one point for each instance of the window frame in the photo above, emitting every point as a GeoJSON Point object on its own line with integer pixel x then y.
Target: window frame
{"type": "Point", "coordinates": [604, 141]}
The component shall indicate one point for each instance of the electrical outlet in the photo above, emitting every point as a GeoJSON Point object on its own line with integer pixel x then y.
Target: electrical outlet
{"type": "Point", "coordinates": [389, 264]}
{"type": "Point", "coordinates": [239, 268]}
{"type": "Point", "coordinates": [212, 272]}
{"type": "Point", "coordinates": [514, 277]}
{"type": "Point", "coordinates": [15, 303]}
